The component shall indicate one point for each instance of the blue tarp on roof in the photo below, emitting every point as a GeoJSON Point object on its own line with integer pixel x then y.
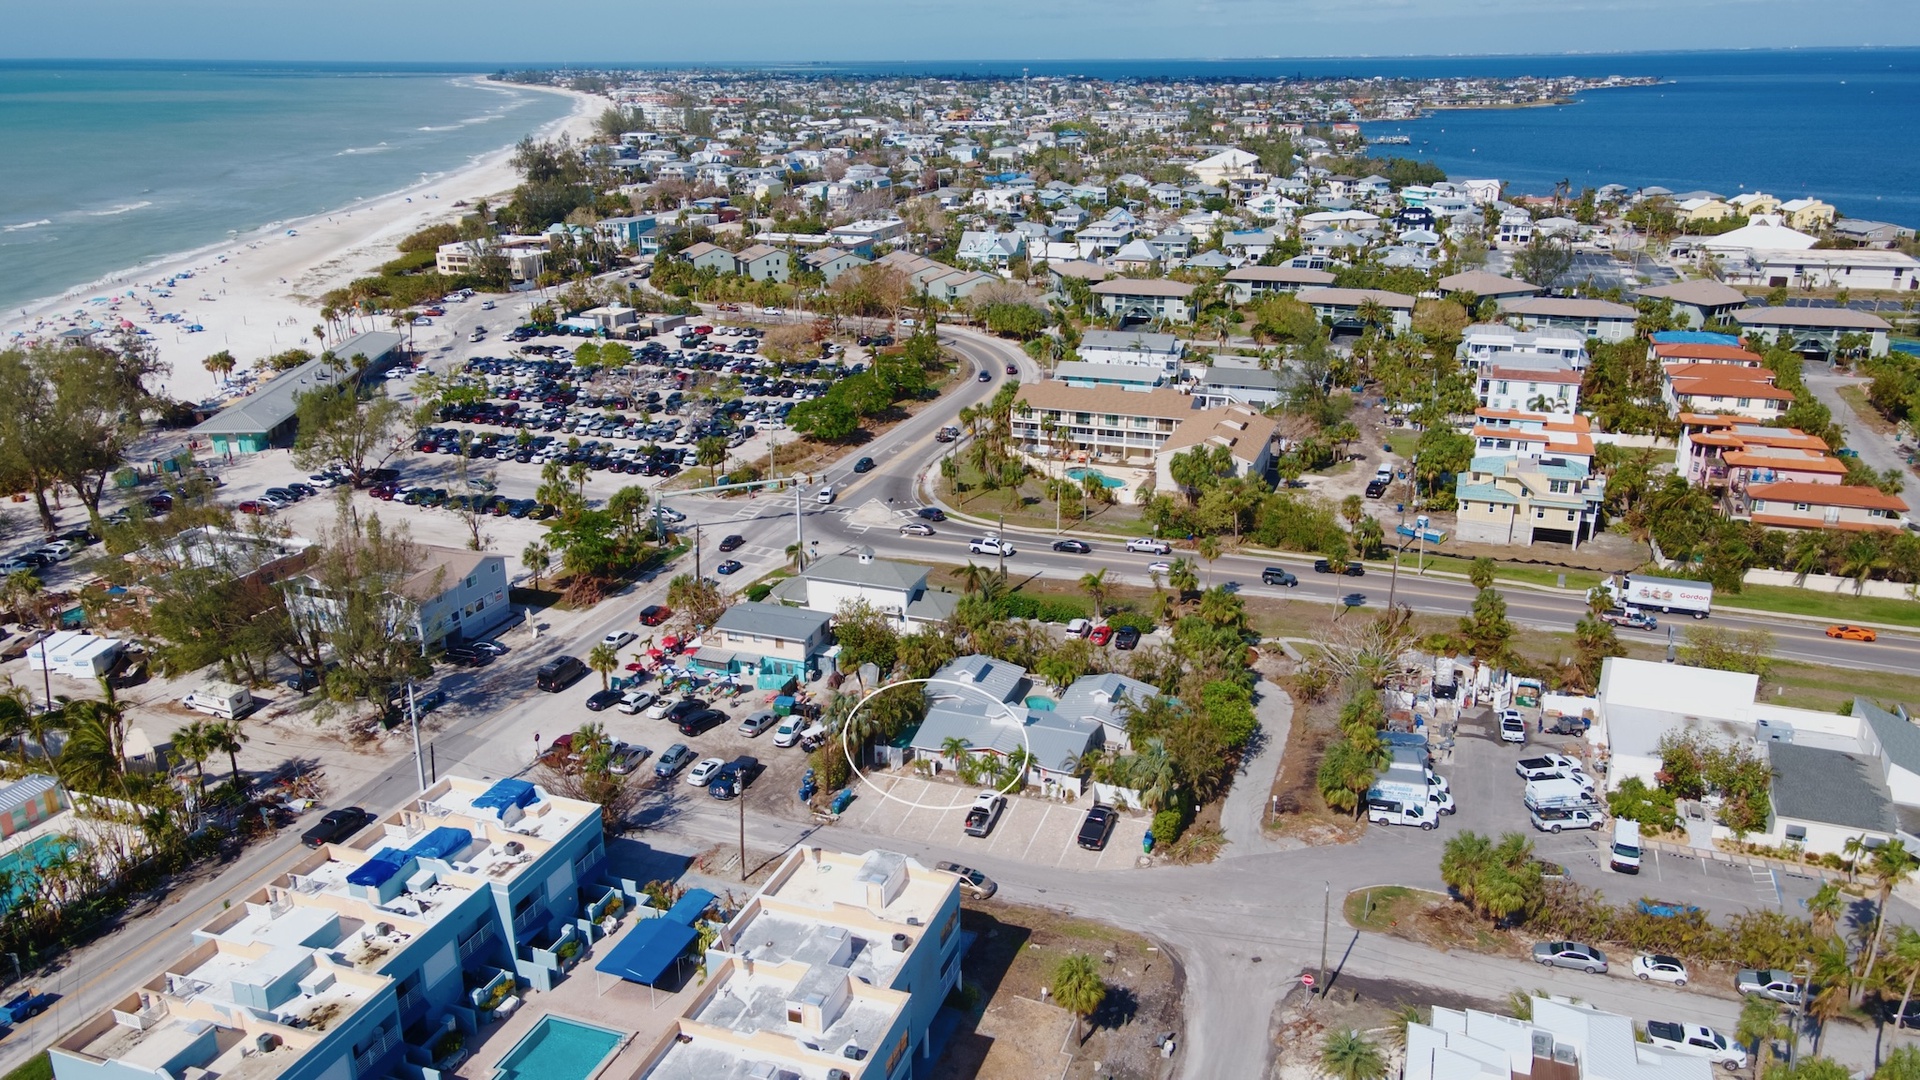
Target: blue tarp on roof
{"type": "Point", "coordinates": [687, 910]}
{"type": "Point", "coordinates": [440, 843]}
{"type": "Point", "coordinates": [507, 793]}
{"type": "Point", "coordinates": [377, 870]}
{"type": "Point", "coordinates": [648, 950]}
{"type": "Point", "coordinates": [1694, 337]}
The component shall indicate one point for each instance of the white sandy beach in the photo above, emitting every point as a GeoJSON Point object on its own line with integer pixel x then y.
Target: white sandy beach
{"type": "Point", "coordinates": [259, 293]}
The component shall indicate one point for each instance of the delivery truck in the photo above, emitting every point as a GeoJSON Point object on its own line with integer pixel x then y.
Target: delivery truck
{"type": "Point", "coordinates": [1669, 595]}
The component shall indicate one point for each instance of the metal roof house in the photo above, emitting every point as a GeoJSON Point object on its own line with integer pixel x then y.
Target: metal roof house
{"type": "Point", "coordinates": [265, 418]}
{"type": "Point", "coordinates": [961, 702]}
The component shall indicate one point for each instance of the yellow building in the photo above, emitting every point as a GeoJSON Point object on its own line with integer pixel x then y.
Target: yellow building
{"type": "Point", "coordinates": [1808, 215]}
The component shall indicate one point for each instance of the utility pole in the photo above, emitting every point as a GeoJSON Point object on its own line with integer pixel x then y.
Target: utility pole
{"type": "Point", "coordinates": [1000, 545]}
{"type": "Point", "coordinates": [799, 530]}
{"type": "Point", "coordinates": [741, 798]}
{"type": "Point", "coordinates": [1326, 926]}
{"type": "Point", "coordinates": [696, 553]}
{"type": "Point", "coordinates": [413, 721]}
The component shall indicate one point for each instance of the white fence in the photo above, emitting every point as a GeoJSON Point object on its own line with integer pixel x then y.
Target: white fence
{"type": "Point", "coordinates": [1827, 583]}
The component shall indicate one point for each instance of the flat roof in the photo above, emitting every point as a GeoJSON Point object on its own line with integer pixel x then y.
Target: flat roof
{"type": "Point", "coordinates": [1816, 318]}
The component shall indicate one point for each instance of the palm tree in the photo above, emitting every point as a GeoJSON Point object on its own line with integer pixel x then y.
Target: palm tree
{"type": "Point", "coordinates": [954, 748]}
{"type": "Point", "coordinates": [537, 558]}
{"type": "Point", "coordinates": [1892, 864]}
{"type": "Point", "coordinates": [192, 744]}
{"type": "Point", "coordinates": [221, 363]}
{"type": "Point", "coordinates": [1349, 1055]}
{"type": "Point", "coordinates": [1905, 954]}
{"type": "Point", "coordinates": [1209, 549]}
{"type": "Point", "coordinates": [1352, 510]}
{"type": "Point", "coordinates": [1852, 850]}
{"type": "Point", "coordinates": [1481, 572]}
{"type": "Point", "coordinates": [1760, 1027]}
{"type": "Point", "coordinates": [1078, 987]}
{"type": "Point", "coordinates": [1181, 578]}
{"type": "Point", "coordinates": [1095, 585]}
{"type": "Point", "coordinates": [973, 578]}
{"type": "Point", "coordinates": [22, 591]}
{"type": "Point", "coordinates": [604, 659]}
{"type": "Point", "coordinates": [1824, 907]}
{"type": "Point", "coordinates": [226, 738]}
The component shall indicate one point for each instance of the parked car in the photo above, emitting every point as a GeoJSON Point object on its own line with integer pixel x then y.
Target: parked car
{"type": "Point", "coordinates": [1376, 488]}
{"type": "Point", "coordinates": [1073, 547]}
{"type": "Point", "coordinates": [672, 760]}
{"type": "Point", "coordinates": [335, 826]}
{"type": "Point", "coordinates": [1697, 1040]}
{"type": "Point", "coordinates": [758, 722]}
{"type": "Point", "coordinates": [1513, 727]}
{"type": "Point", "coordinates": [1096, 827]}
{"type": "Point", "coordinates": [732, 542]}
{"type": "Point", "coordinates": [978, 884]}
{"type": "Point", "coordinates": [601, 700]}
{"type": "Point", "coordinates": [1774, 983]}
{"type": "Point", "coordinates": [703, 773]}
{"type": "Point", "coordinates": [1545, 767]}
{"type": "Point", "coordinates": [626, 757]}
{"type": "Point", "coordinates": [634, 701]}
{"type": "Point", "coordinates": [1659, 967]}
{"type": "Point", "coordinates": [698, 722]}
{"type": "Point", "coordinates": [984, 813]}
{"type": "Point", "coordinates": [734, 777]}
{"type": "Point", "coordinates": [1101, 635]}
{"type": "Point", "coordinates": [1126, 637]}
{"type": "Point", "coordinates": [1570, 954]}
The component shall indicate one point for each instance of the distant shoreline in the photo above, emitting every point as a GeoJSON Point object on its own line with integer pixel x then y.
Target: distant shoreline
{"type": "Point", "coordinates": [256, 293]}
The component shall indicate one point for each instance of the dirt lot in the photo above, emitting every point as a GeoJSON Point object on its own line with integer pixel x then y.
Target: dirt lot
{"type": "Point", "coordinates": [1011, 1033]}
{"type": "Point", "coordinates": [1303, 813]}
{"type": "Point", "coordinates": [1377, 1008]}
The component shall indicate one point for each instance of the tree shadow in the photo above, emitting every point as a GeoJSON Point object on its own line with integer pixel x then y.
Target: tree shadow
{"type": "Point", "coordinates": [996, 945]}
{"type": "Point", "coordinates": [1117, 1009]}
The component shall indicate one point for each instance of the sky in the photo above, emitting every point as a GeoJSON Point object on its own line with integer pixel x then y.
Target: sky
{"type": "Point", "coordinates": [489, 32]}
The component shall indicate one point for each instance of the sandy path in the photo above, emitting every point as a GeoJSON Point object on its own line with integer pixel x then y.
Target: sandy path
{"type": "Point", "coordinates": [260, 293]}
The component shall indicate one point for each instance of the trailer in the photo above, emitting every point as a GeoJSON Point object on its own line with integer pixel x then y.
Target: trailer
{"type": "Point", "coordinates": [1668, 595]}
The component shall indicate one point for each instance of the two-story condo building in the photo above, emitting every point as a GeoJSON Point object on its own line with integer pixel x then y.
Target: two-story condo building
{"type": "Point", "coordinates": [1726, 453]}
{"type": "Point", "coordinates": [1342, 308]}
{"type": "Point", "coordinates": [1147, 299]}
{"type": "Point", "coordinates": [1483, 344]}
{"type": "Point", "coordinates": [1159, 353]}
{"type": "Point", "coordinates": [1724, 388]}
{"type": "Point", "coordinates": [1602, 319]}
{"type": "Point", "coordinates": [1249, 283]}
{"type": "Point", "coordinates": [832, 582]}
{"type": "Point", "coordinates": [771, 642]}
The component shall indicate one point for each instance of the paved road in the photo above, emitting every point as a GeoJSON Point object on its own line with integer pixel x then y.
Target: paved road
{"type": "Point", "coordinates": [1874, 448]}
{"type": "Point", "coordinates": [1243, 927]}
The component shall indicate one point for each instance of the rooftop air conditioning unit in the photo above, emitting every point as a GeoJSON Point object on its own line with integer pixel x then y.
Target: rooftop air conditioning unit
{"type": "Point", "coordinates": [900, 942]}
{"type": "Point", "coordinates": [514, 847]}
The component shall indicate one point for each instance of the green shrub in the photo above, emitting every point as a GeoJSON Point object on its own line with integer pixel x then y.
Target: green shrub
{"type": "Point", "coordinates": [758, 591]}
{"type": "Point", "coordinates": [1130, 618]}
{"type": "Point", "coordinates": [830, 768]}
{"type": "Point", "coordinates": [1054, 609]}
{"type": "Point", "coordinates": [1651, 807]}
{"type": "Point", "coordinates": [1167, 827]}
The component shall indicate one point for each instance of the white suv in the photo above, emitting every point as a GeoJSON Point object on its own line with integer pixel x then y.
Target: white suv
{"type": "Point", "coordinates": [1151, 547]}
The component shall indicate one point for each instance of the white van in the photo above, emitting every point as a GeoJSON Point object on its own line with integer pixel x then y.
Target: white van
{"type": "Point", "coordinates": [1386, 810]}
{"type": "Point", "coordinates": [1626, 847]}
{"type": "Point", "coordinates": [222, 699]}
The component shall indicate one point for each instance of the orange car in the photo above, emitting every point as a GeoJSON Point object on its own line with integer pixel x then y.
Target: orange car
{"type": "Point", "coordinates": [1852, 633]}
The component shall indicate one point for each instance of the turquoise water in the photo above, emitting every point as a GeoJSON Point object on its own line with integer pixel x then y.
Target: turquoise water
{"type": "Point", "coordinates": [1040, 703]}
{"type": "Point", "coordinates": [112, 165]}
{"type": "Point", "coordinates": [1103, 478]}
{"type": "Point", "coordinates": [23, 863]}
{"type": "Point", "coordinates": [558, 1049]}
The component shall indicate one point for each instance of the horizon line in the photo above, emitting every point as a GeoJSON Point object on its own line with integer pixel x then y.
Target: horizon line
{"type": "Point", "coordinates": [629, 65]}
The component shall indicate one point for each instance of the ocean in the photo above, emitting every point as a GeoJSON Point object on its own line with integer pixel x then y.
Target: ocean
{"type": "Point", "coordinates": [113, 165]}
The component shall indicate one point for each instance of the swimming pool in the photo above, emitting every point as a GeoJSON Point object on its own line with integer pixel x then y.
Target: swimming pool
{"type": "Point", "coordinates": [1041, 703]}
{"type": "Point", "coordinates": [1105, 480]}
{"type": "Point", "coordinates": [558, 1049]}
{"type": "Point", "coordinates": [21, 867]}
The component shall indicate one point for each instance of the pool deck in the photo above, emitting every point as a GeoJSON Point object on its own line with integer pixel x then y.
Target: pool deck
{"type": "Point", "coordinates": [591, 998]}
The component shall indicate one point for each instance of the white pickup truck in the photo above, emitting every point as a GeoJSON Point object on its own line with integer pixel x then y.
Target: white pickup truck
{"type": "Point", "coordinates": [1698, 1040]}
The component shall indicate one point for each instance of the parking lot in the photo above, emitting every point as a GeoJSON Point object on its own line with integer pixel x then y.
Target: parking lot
{"type": "Point", "coordinates": [1479, 771]}
{"type": "Point", "coordinates": [1037, 831]}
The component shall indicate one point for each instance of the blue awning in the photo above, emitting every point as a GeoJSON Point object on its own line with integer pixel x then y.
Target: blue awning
{"type": "Point", "coordinates": [648, 950]}
{"type": "Point", "coordinates": [687, 910]}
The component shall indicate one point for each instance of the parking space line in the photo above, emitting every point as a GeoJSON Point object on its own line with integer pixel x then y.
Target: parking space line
{"type": "Point", "coordinates": [1046, 812]}
{"type": "Point", "coordinates": [1072, 836]}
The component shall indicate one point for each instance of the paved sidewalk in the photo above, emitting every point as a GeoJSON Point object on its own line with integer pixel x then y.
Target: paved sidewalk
{"type": "Point", "coordinates": [1246, 804]}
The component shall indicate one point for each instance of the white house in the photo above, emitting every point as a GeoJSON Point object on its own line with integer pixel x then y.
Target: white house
{"type": "Point", "coordinates": [452, 596]}
{"type": "Point", "coordinates": [1602, 319]}
{"type": "Point", "coordinates": [898, 589]}
{"type": "Point", "coordinates": [1563, 1040]}
{"type": "Point", "coordinates": [1159, 352]}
